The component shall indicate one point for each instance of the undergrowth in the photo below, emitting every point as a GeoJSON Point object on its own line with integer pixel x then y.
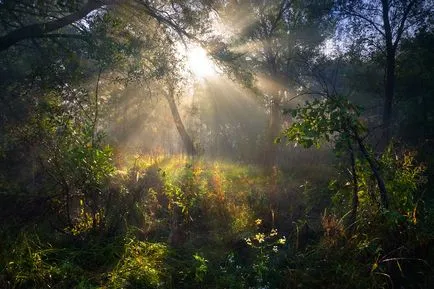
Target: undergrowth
{"type": "Point", "coordinates": [182, 223]}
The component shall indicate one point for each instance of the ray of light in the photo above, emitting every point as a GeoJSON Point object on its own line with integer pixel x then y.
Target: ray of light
{"type": "Point", "coordinates": [199, 63]}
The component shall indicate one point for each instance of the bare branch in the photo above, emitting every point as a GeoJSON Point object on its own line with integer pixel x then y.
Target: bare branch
{"type": "Point", "coordinates": [370, 21]}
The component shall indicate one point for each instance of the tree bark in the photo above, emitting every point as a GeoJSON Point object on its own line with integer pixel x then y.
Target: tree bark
{"type": "Point", "coordinates": [186, 139]}
{"type": "Point", "coordinates": [41, 29]}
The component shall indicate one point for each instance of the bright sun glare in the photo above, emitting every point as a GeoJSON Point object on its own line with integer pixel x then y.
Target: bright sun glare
{"type": "Point", "coordinates": [199, 63]}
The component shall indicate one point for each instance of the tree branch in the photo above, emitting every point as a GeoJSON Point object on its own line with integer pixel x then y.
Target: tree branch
{"type": "Point", "coordinates": [371, 22]}
{"type": "Point", "coordinates": [41, 29]}
{"type": "Point", "coordinates": [283, 6]}
{"type": "Point", "coordinates": [169, 22]}
{"type": "Point", "coordinates": [402, 23]}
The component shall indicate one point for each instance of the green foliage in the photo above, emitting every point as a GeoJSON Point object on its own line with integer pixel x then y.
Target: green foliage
{"type": "Point", "coordinates": [331, 118]}
{"type": "Point", "coordinates": [36, 260]}
{"type": "Point", "coordinates": [201, 267]}
{"type": "Point", "coordinates": [380, 237]}
{"type": "Point", "coordinates": [188, 191]}
{"type": "Point", "coordinates": [87, 168]}
{"type": "Point", "coordinates": [26, 266]}
{"type": "Point", "coordinates": [81, 165]}
{"type": "Point", "coordinates": [141, 266]}
{"type": "Point", "coordinates": [406, 179]}
{"type": "Point", "coordinates": [265, 266]}
{"type": "Point", "coordinates": [127, 263]}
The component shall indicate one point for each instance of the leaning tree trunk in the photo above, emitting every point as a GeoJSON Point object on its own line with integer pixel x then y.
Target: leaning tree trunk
{"type": "Point", "coordinates": [375, 171]}
{"type": "Point", "coordinates": [186, 139]}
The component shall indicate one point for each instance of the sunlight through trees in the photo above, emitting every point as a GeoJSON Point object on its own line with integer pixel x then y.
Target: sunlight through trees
{"type": "Point", "coordinates": [216, 144]}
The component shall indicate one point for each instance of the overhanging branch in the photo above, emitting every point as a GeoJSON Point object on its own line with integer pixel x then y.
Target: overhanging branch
{"type": "Point", "coordinates": [42, 29]}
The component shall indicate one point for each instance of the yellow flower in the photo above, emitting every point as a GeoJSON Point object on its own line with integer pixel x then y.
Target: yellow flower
{"type": "Point", "coordinates": [258, 222]}
{"type": "Point", "coordinates": [273, 233]}
{"type": "Point", "coordinates": [260, 237]}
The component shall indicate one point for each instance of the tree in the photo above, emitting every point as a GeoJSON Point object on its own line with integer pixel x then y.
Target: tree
{"type": "Point", "coordinates": [115, 44]}
{"type": "Point", "coordinates": [335, 118]}
{"type": "Point", "coordinates": [389, 21]}
{"type": "Point", "coordinates": [277, 36]}
{"type": "Point", "coordinates": [415, 66]}
{"type": "Point", "coordinates": [186, 139]}
{"type": "Point", "coordinates": [50, 68]}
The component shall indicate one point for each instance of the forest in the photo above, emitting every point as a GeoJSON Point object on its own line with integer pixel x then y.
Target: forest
{"type": "Point", "coordinates": [232, 144]}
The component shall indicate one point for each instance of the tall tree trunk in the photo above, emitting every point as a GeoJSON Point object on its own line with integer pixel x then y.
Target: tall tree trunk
{"type": "Point", "coordinates": [389, 96]}
{"type": "Point", "coordinates": [272, 133]}
{"type": "Point", "coordinates": [186, 139]}
{"type": "Point", "coordinates": [274, 120]}
{"type": "Point", "coordinates": [389, 89]}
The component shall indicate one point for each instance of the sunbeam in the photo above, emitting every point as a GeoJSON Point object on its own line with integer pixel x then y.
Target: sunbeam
{"type": "Point", "coordinates": [199, 63]}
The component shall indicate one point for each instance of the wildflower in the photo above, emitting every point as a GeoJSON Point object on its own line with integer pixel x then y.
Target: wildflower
{"type": "Point", "coordinates": [281, 241]}
{"type": "Point", "coordinates": [273, 233]}
{"type": "Point", "coordinates": [260, 237]}
{"type": "Point", "coordinates": [275, 249]}
{"type": "Point", "coordinates": [258, 222]}
{"type": "Point", "coordinates": [248, 241]}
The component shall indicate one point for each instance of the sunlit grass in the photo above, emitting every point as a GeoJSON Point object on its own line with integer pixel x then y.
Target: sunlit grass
{"type": "Point", "coordinates": [230, 195]}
